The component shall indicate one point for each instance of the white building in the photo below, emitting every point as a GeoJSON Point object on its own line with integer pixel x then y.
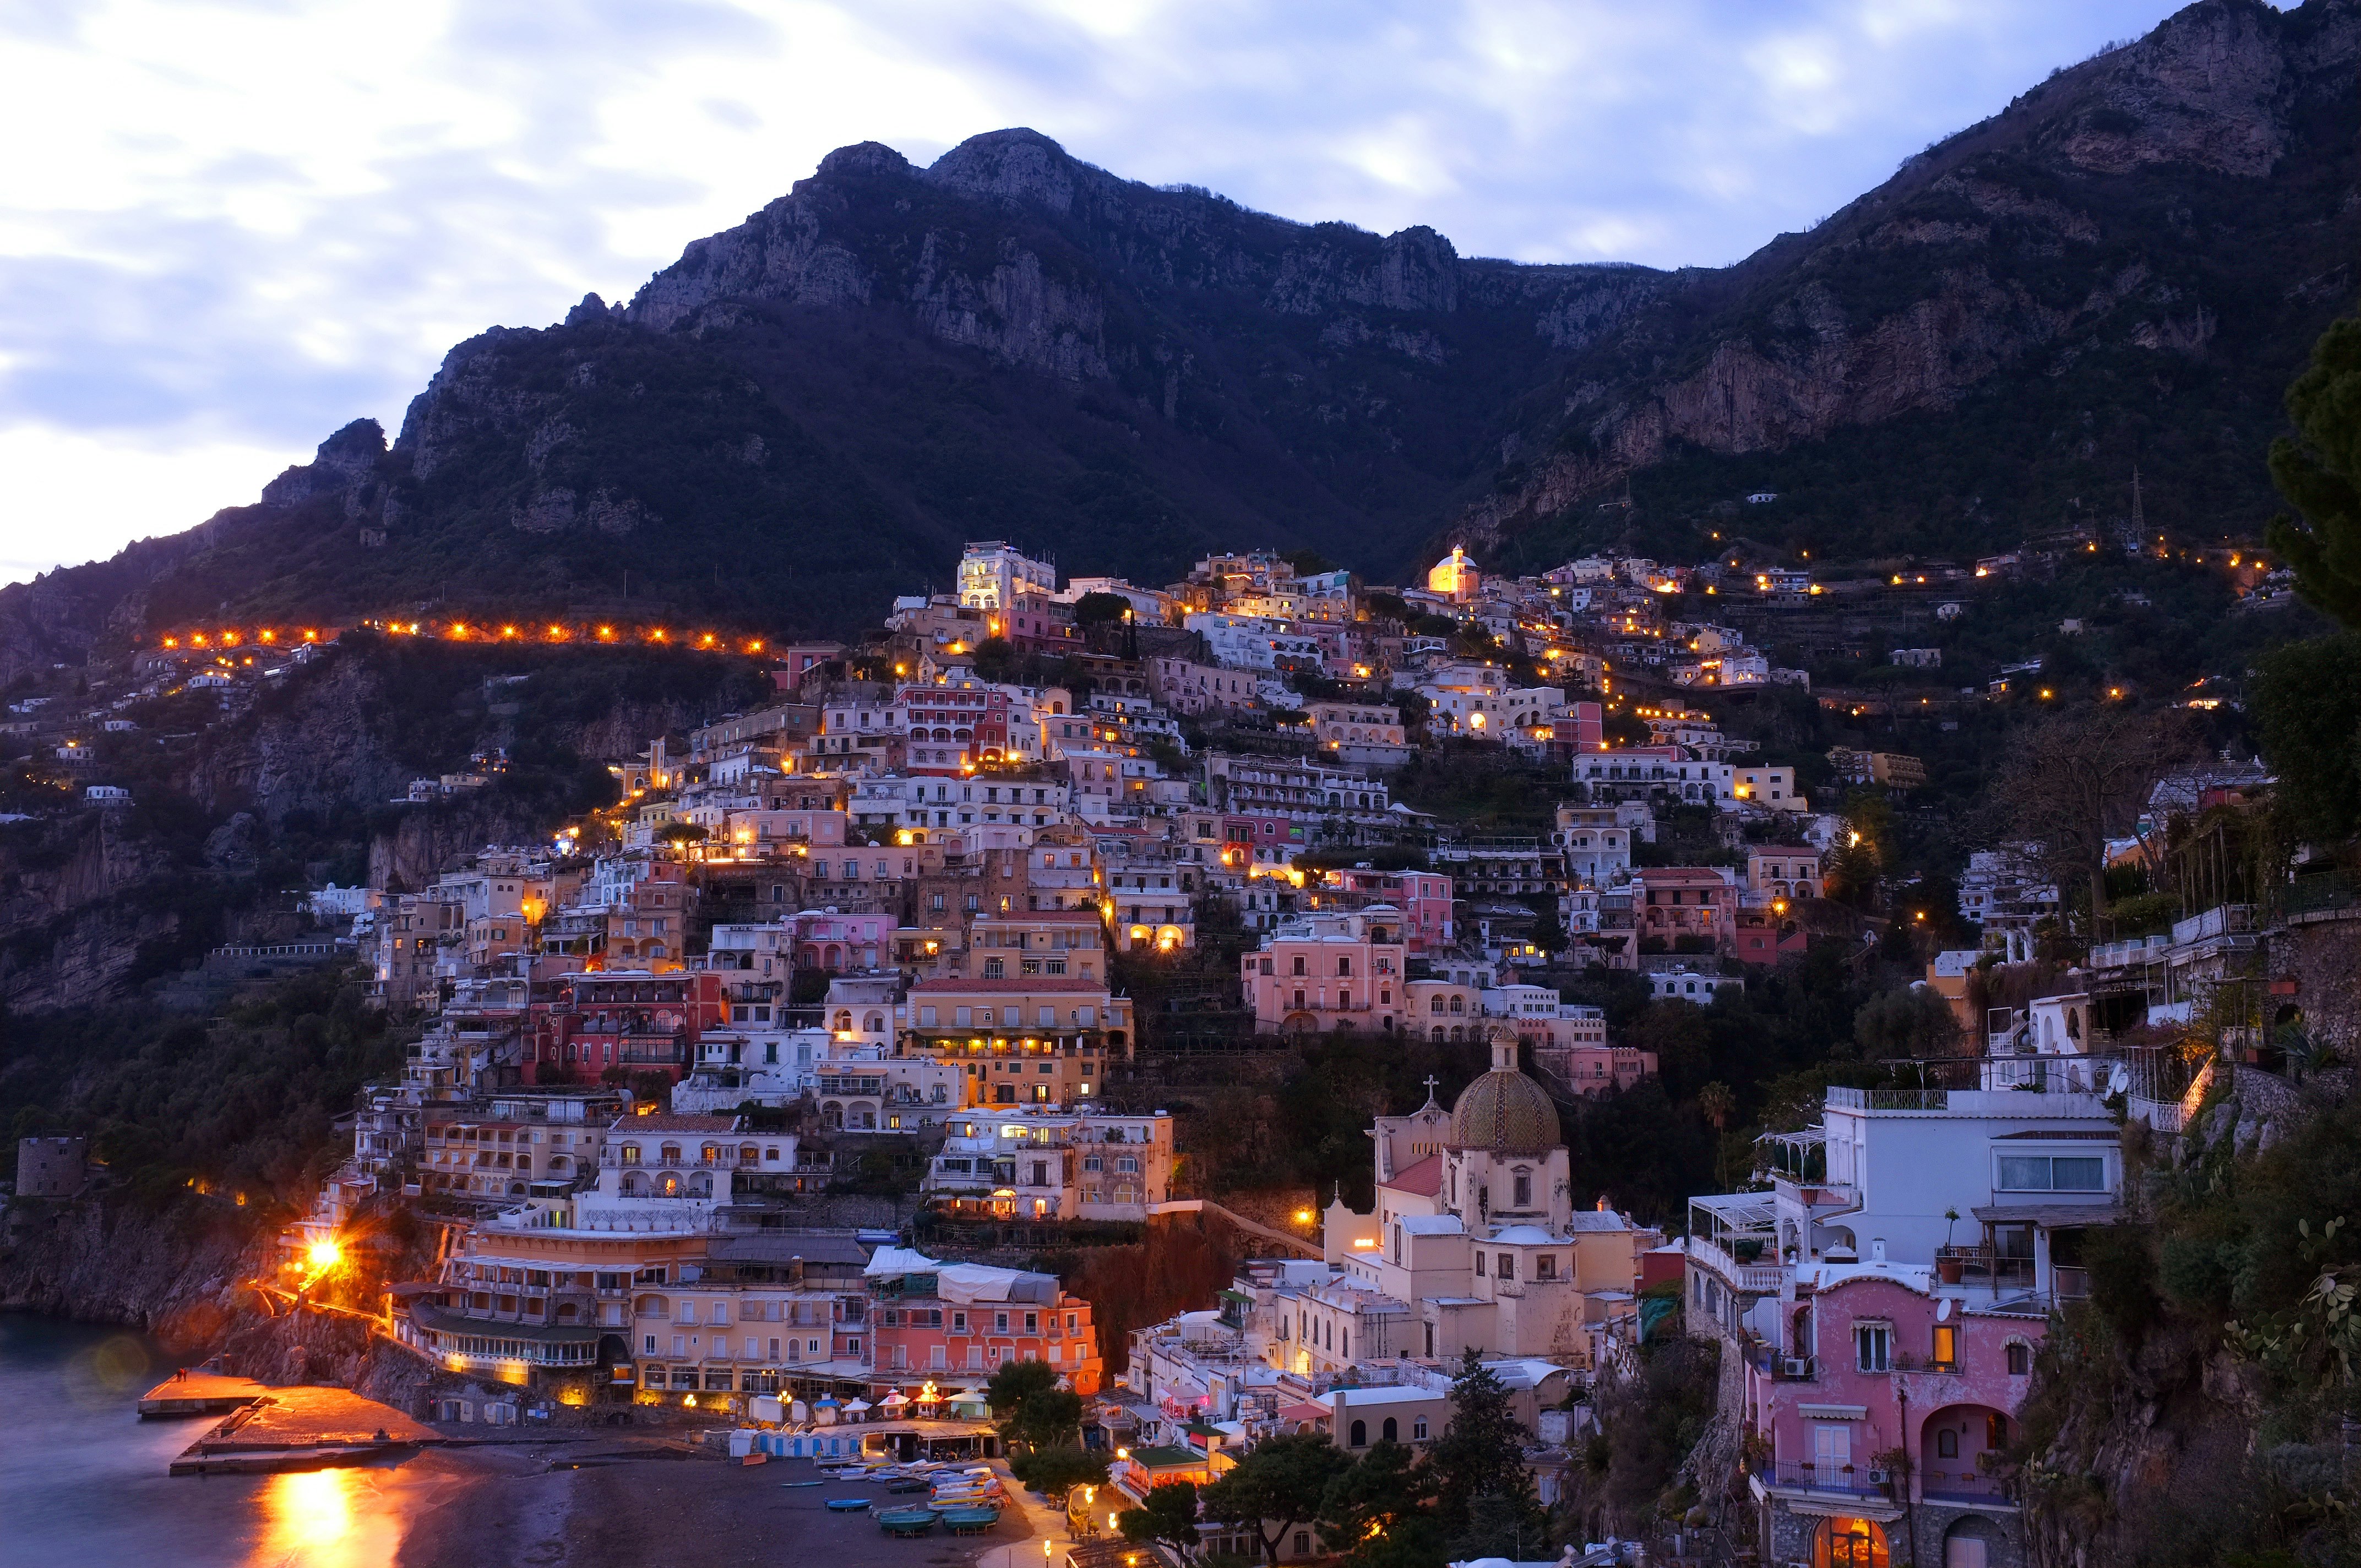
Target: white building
{"type": "Point", "coordinates": [994, 574]}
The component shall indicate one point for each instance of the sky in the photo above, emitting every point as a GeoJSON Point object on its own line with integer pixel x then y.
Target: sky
{"type": "Point", "coordinates": [228, 229]}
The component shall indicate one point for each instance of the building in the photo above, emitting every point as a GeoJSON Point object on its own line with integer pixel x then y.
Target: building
{"type": "Point", "coordinates": [1686, 908]}
{"type": "Point", "coordinates": [994, 574]}
{"type": "Point", "coordinates": [1596, 841]}
{"type": "Point", "coordinates": [1019, 1040]}
{"type": "Point", "coordinates": [1319, 972]}
{"type": "Point", "coordinates": [1478, 1243]}
{"type": "Point", "coordinates": [1367, 733]}
{"type": "Point", "coordinates": [969, 1319]}
{"type": "Point", "coordinates": [1455, 577]}
{"type": "Point", "coordinates": [1783, 871]}
{"type": "Point", "coordinates": [1051, 1163]}
{"type": "Point", "coordinates": [1865, 1323]}
{"type": "Point", "coordinates": [52, 1166]}
{"type": "Point", "coordinates": [1687, 985]}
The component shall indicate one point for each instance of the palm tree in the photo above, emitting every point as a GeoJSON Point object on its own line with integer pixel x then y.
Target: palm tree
{"type": "Point", "coordinates": [1719, 1104]}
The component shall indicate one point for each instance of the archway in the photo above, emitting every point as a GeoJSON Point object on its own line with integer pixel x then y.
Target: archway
{"type": "Point", "coordinates": [1953, 1443]}
{"type": "Point", "coordinates": [1849, 1543]}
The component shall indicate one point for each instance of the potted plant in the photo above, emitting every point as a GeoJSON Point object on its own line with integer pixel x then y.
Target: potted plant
{"type": "Point", "coordinates": [1950, 1268]}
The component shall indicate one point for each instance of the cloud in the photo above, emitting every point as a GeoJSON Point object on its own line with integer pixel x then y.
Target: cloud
{"type": "Point", "coordinates": [231, 227]}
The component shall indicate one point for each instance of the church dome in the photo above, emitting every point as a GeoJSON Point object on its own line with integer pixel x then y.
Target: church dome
{"type": "Point", "coordinates": [1504, 1111]}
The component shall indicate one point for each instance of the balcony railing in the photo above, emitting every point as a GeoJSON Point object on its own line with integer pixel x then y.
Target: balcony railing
{"type": "Point", "coordinates": [1981, 1266]}
{"type": "Point", "coordinates": [1955, 1485]}
{"type": "Point", "coordinates": [1846, 1480]}
{"type": "Point", "coordinates": [1769, 1279]}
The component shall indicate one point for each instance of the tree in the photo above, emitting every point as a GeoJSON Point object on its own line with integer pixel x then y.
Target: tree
{"type": "Point", "coordinates": [1380, 1513]}
{"type": "Point", "coordinates": [1912, 1021]}
{"type": "Point", "coordinates": [1057, 1470]}
{"type": "Point", "coordinates": [679, 833]}
{"type": "Point", "coordinates": [1100, 609]}
{"type": "Point", "coordinates": [1718, 1104]}
{"type": "Point", "coordinates": [1481, 1455]}
{"type": "Point", "coordinates": [2077, 780]}
{"type": "Point", "coordinates": [2319, 470]}
{"type": "Point", "coordinates": [1279, 1484]}
{"type": "Point", "coordinates": [2307, 708]}
{"type": "Point", "coordinates": [1029, 1406]}
{"type": "Point", "coordinates": [1171, 1517]}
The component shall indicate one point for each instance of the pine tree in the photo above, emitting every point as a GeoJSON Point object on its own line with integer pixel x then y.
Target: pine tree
{"type": "Point", "coordinates": [2320, 473]}
{"type": "Point", "coordinates": [1480, 1459]}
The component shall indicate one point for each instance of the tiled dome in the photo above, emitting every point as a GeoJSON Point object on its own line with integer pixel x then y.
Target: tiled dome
{"type": "Point", "coordinates": [1504, 1111]}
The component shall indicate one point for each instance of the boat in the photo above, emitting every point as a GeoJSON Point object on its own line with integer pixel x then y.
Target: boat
{"type": "Point", "coordinates": [909, 1483]}
{"type": "Point", "coordinates": [970, 1520]}
{"type": "Point", "coordinates": [848, 1505]}
{"type": "Point", "coordinates": [906, 1521]}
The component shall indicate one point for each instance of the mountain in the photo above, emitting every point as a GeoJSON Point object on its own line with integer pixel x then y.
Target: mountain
{"type": "Point", "coordinates": [812, 410]}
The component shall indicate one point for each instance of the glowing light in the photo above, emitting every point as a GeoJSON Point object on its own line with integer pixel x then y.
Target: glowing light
{"type": "Point", "coordinates": [324, 1254]}
{"type": "Point", "coordinates": [309, 1516]}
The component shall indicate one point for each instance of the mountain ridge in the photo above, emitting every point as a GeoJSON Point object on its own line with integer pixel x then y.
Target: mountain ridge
{"type": "Point", "coordinates": [812, 408]}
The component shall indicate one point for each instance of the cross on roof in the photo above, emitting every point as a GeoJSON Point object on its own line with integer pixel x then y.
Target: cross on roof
{"type": "Point", "coordinates": [1430, 1088]}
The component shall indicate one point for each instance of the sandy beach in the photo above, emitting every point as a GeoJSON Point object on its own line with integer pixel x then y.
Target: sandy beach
{"type": "Point", "coordinates": [602, 1502]}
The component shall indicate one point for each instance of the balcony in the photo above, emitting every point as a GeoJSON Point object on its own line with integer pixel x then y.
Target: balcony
{"type": "Point", "coordinates": [1981, 1266]}
{"type": "Point", "coordinates": [1803, 1475]}
{"type": "Point", "coordinates": [1763, 1278]}
{"type": "Point", "coordinates": [1780, 1367]}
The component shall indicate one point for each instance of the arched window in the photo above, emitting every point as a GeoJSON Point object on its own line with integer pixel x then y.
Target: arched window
{"type": "Point", "coordinates": [1438, 1034]}
{"type": "Point", "coordinates": [1388, 1431]}
{"type": "Point", "coordinates": [747, 1155]}
{"type": "Point", "coordinates": [1438, 1004]}
{"type": "Point", "coordinates": [1458, 1004]}
{"type": "Point", "coordinates": [1360, 1434]}
{"type": "Point", "coordinates": [670, 1153]}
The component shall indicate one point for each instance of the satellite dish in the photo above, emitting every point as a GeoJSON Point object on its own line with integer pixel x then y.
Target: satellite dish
{"type": "Point", "coordinates": [2120, 1081]}
{"type": "Point", "coordinates": [1943, 1310]}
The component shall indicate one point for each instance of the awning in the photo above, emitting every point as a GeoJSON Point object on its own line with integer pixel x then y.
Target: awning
{"type": "Point", "coordinates": [2048, 1216]}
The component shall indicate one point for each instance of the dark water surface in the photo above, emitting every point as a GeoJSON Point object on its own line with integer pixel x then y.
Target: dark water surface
{"type": "Point", "coordinates": [82, 1481]}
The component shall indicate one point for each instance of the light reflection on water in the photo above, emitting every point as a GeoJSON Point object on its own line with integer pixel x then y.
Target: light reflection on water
{"type": "Point", "coordinates": [326, 1518]}
{"type": "Point", "coordinates": [82, 1479]}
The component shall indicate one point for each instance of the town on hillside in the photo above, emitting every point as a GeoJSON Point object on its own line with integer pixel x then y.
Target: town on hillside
{"type": "Point", "coordinates": [774, 1091]}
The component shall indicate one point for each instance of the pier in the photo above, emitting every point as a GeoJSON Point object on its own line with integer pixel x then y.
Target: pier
{"type": "Point", "coordinates": [300, 1429]}
{"type": "Point", "coordinates": [198, 1394]}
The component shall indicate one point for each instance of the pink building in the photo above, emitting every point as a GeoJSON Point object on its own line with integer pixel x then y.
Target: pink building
{"type": "Point", "coordinates": [1588, 1068]}
{"type": "Point", "coordinates": [1330, 971]}
{"type": "Point", "coordinates": [1884, 1365]}
{"type": "Point", "coordinates": [1672, 902]}
{"type": "Point", "coordinates": [964, 1320]}
{"type": "Point", "coordinates": [1423, 898]}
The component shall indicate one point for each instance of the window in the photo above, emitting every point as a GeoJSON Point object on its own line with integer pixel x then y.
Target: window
{"type": "Point", "coordinates": [1360, 1434]}
{"type": "Point", "coordinates": [2020, 1358]}
{"type": "Point", "coordinates": [1524, 1189]}
{"type": "Point", "coordinates": [1947, 1443]}
{"type": "Point", "coordinates": [1418, 1424]}
{"type": "Point", "coordinates": [1872, 1344]}
{"type": "Point", "coordinates": [1390, 1432]}
{"type": "Point", "coordinates": [2053, 1173]}
{"type": "Point", "coordinates": [993, 968]}
{"type": "Point", "coordinates": [1831, 1449]}
{"type": "Point", "coordinates": [1507, 1266]}
{"type": "Point", "coordinates": [1947, 1345]}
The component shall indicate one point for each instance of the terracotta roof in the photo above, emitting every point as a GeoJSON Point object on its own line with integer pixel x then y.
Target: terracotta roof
{"type": "Point", "coordinates": [1424, 1179]}
{"type": "Point", "coordinates": [665, 1122]}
